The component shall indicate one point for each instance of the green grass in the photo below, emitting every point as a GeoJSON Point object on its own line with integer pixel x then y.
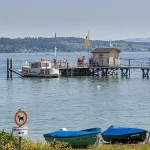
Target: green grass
{"type": "Point", "coordinates": [8, 142]}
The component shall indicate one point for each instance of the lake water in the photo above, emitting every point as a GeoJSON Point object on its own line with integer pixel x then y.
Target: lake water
{"type": "Point", "coordinates": [73, 103]}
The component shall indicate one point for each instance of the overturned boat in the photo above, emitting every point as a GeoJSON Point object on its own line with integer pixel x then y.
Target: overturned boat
{"type": "Point", "coordinates": [79, 138]}
{"type": "Point", "coordinates": [115, 134]}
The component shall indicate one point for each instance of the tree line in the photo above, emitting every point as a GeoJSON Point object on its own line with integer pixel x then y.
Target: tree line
{"type": "Point", "coordinates": [64, 44]}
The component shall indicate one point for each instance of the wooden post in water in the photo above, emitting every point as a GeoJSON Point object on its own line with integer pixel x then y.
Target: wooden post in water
{"type": "Point", "coordinates": [10, 70]}
{"type": "Point", "coordinates": [129, 67]}
{"type": "Point", "coordinates": [67, 70]}
{"type": "Point", "coordinates": [7, 68]}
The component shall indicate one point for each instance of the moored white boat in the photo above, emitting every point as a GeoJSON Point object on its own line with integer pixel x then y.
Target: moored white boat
{"type": "Point", "coordinates": [39, 68]}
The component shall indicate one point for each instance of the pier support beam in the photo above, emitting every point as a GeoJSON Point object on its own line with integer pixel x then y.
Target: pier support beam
{"type": "Point", "coordinates": [104, 72]}
{"type": "Point", "coordinates": [125, 73]}
{"type": "Point", "coordinates": [145, 72]}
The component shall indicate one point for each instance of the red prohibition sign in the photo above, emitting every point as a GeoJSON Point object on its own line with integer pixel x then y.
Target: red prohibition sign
{"type": "Point", "coordinates": [20, 120]}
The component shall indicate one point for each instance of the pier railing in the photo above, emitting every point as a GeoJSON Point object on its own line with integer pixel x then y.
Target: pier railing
{"type": "Point", "coordinates": [134, 64]}
{"type": "Point", "coordinates": [69, 65]}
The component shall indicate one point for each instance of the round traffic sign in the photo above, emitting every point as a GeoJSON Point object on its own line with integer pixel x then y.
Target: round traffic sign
{"type": "Point", "coordinates": [20, 118]}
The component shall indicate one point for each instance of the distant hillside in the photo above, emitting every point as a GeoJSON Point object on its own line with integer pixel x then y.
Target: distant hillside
{"type": "Point", "coordinates": [138, 39]}
{"type": "Point", "coordinates": [64, 44]}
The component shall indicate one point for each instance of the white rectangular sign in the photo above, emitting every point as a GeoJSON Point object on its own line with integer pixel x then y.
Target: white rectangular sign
{"type": "Point", "coordinates": [19, 131]}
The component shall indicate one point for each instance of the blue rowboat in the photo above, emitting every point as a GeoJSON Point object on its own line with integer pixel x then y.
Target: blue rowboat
{"type": "Point", "coordinates": [115, 134]}
{"type": "Point", "coordinates": [79, 138]}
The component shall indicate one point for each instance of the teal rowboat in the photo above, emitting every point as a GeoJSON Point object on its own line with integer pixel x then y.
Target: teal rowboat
{"type": "Point", "coordinates": [80, 138]}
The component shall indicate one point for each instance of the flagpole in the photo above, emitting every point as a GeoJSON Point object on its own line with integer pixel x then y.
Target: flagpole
{"type": "Point", "coordinates": [88, 47]}
{"type": "Point", "coordinates": [87, 44]}
{"type": "Point", "coordinates": [55, 48]}
{"type": "Point", "coordinates": [88, 55]}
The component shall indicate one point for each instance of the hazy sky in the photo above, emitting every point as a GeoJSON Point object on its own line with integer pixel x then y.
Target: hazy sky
{"type": "Point", "coordinates": [104, 19]}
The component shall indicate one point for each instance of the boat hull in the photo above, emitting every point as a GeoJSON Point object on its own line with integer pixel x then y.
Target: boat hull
{"type": "Point", "coordinates": [115, 134]}
{"type": "Point", "coordinates": [126, 138]}
{"type": "Point", "coordinates": [41, 75]}
{"type": "Point", "coordinates": [79, 141]}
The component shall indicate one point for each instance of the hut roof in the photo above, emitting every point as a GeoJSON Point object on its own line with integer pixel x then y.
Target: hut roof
{"type": "Point", "coordinates": [104, 50]}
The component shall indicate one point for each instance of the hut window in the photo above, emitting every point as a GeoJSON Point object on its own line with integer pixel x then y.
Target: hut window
{"type": "Point", "coordinates": [32, 66]}
{"type": "Point", "coordinates": [36, 65]}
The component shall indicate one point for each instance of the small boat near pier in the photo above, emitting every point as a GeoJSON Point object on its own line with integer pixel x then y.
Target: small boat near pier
{"type": "Point", "coordinates": [39, 68]}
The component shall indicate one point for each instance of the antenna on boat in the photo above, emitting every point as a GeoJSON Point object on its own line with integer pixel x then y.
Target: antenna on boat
{"type": "Point", "coordinates": [110, 44]}
{"type": "Point", "coordinates": [55, 52]}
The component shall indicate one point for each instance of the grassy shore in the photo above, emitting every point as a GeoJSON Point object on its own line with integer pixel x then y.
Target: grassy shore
{"type": "Point", "coordinates": [8, 142]}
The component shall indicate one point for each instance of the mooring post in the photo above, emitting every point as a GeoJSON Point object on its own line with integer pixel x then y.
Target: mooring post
{"type": "Point", "coordinates": [10, 70]}
{"type": "Point", "coordinates": [98, 72]}
{"type": "Point", "coordinates": [126, 74]}
{"type": "Point", "coordinates": [106, 73]}
{"type": "Point", "coordinates": [67, 70]}
{"type": "Point", "coordinates": [148, 73]}
{"type": "Point", "coordinates": [121, 73]}
{"type": "Point", "coordinates": [145, 74]}
{"type": "Point", "coordinates": [92, 71]}
{"type": "Point", "coordinates": [7, 68]}
{"type": "Point", "coordinates": [129, 67]}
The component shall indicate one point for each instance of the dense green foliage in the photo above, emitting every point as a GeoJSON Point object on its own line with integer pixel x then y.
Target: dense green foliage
{"type": "Point", "coordinates": [64, 44]}
{"type": "Point", "coordinates": [8, 142]}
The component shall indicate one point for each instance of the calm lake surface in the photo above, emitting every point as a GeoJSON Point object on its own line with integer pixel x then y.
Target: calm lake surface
{"type": "Point", "coordinates": [73, 103]}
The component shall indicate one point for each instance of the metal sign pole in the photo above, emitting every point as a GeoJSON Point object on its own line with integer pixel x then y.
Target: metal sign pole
{"type": "Point", "coordinates": [20, 139]}
{"type": "Point", "coordinates": [20, 119]}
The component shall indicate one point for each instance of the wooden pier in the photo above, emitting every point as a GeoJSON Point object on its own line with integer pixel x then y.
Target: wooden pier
{"type": "Point", "coordinates": [69, 69]}
{"type": "Point", "coordinates": [103, 71]}
{"type": "Point", "coordinates": [72, 69]}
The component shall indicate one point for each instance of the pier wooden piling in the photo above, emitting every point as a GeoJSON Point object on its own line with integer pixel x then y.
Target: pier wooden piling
{"type": "Point", "coordinates": [129, 67]}
{"type": "Point", "coordinates": [10, 67]}
{"type": "Point", "coordinates": [125, 72]}
{"type": "Point", "coordinates": [145, 73]}
{"type": "Point", "coordinates": [7, 68]}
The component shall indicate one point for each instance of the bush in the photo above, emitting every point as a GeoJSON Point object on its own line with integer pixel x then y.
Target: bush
{"type": "Point", "coordinates": [8, 142]}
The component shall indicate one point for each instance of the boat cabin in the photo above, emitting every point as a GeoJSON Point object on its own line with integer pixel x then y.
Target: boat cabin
{"type": "Point", "coordinates": [105, 57]}
{"type": "Point", "coordinates": [41, 67]}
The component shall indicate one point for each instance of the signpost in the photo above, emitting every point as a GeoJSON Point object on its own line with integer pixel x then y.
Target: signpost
{"type": "Point", "coordinates": [20, 119]}
{"type": "Point", "coordinates": [19, 131]}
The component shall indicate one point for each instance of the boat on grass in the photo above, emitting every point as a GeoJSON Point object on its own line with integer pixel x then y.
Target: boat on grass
{"type": "Point", "coordinates": [39, 68]}
{"type": "Point", "coordinates": [79, 138]}
{"type": "Point", "coordinates": [125, 135]}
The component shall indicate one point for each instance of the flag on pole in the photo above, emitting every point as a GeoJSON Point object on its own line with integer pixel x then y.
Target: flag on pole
{"type": "Point", "coordinates": [86, 41]}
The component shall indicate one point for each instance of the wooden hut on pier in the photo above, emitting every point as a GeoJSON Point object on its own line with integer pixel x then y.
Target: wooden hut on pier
{"type": "Point", "coordinates": [105, 57]}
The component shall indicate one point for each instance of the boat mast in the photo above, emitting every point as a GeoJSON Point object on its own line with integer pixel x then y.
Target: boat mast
{"type": "Point", "coordinates": [55, 48]}
{"type": "Point", "coordinates": [56, 52]}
